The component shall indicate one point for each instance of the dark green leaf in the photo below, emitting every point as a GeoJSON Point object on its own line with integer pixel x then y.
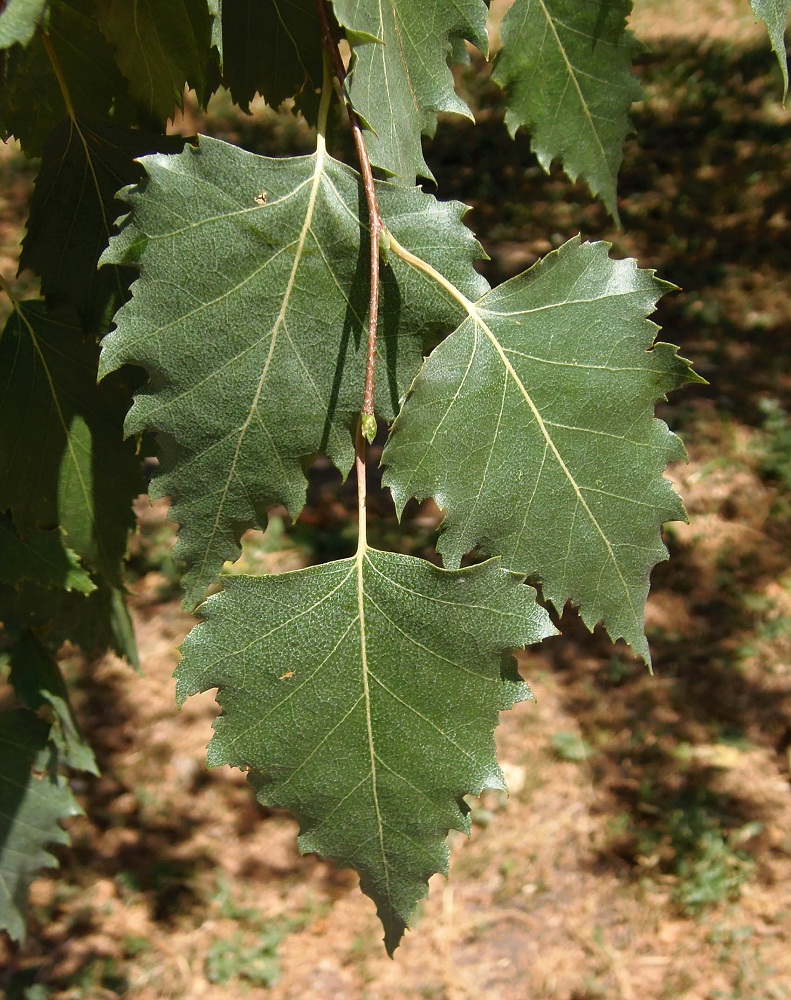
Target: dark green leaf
{"type": "Point", "coordinates": [213, 72]}
{"type": "Point", "coordinates": [774, 13]}
{"type": "Point", "coordinates": [160, 49]}
{"type": "Point", "coordinates": [364, 695]}
{"type": "Point", "coordinates": [565, 67]}
{"type": "Point", "coordinates": [273, 49]}
{"type": "Point", "coordinates": [73, 210]}
{"type": "Point", "coordinates": [533, 425]}
{"type": "Point", "coordinates": [62, 458]}
{"type": "Point", "coordinates": [31, 100]}
{"type": "Point", "coordinates": [96, 622]}
{"type": "Point", "coordinates": [399, 83]}
{"type": "Point", "coordinates": [31, 806]}
{"type": "Point", "coordinates": [37, 681]}
{"type": "Point", "coordinates": [40, 557]}
{"type": "Point", "coordinates": [258, 362]}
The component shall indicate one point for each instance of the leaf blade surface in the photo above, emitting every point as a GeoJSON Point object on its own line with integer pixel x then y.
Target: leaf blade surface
{"type": "Point", "coordinates": [31, 807]}
{"type": "Point", "coordinates": [565, 68]}
{"type": "Point", "coordinates": [19, 20]}
{"type": "Point", "coordinates": [95, 85]}
{"type": "Point", "coordinates": [62, 461]}
{"type": "Point", "coordinates": [532, 424]}
{"type": "Point", "coordinates": [73, 210]}
{"type": "Point", "coordinates": [285, 56]}
{"type": "Point", "coordinates": [399, 83]}
{"type": "Point", "coordinates": [37, 680]}
{"type": "Point", "coordinates": [285, 305]}
{"type": "Point", "coordinates": [364, 695]}
{"type": "Point", "coordinates": [160, 49]}
{"type": "Point", "coordinates": [40, 557]}
{"type": "Point", "coordinates": [774, 14]}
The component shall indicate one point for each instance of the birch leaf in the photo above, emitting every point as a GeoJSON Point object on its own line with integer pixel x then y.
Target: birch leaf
{"type": "Point", "coordinates": [532, 424]}
{"type": "Point", "coordinates": [257, 362]}
{"type": "Point", "coordinates": [565, 68]}
{"type": "Point", "coordinates": [363, 694]}
{"type": "Point", "coordinates": [774, 14]}
{"type": "Point", "coordinates": [400, 77]}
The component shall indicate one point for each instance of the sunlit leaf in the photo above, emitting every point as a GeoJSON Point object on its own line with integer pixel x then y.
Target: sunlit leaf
{"type": "Point", "coordinates": [258, 362]}
{"type": "Point", "coordinates": [19, 20]}
{"type": "Point", "coordinates": [565, 68]}
{"type": "Point", "coordinates": [364, 695]}
{"type": "Point", "coordinates": [774, 14]}
{"type": "Point", "coordinates": [400, 77]}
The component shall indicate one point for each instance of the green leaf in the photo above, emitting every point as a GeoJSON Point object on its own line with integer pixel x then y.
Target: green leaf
{"type": "Point", "coordinates": [73, 210]}
{"type": "Point", "coordinates": [533, 425]}
{"type": "Point", "coordinates": [243, 409]}
{"type": "Point", "coordinates": [62, 460]}
{"type": "Point", "coordinates": [215, 9]}
{"type": "Point", "coordinates": [400, 83]}
{"type": "Point", "coordinates": [40, 557]}
{"type": "Point", "coordinates": [31, 806]}
{"type": "Point", "coordinates": [364, 695]}
{"type": "Point", "coordinates": [160, 49]}
{"type": "Point", "coordinates": [565, 68]}
{"type": "Point", "coordinates": [774, 14]}
{"type": "Point", "coordinates": [212, 75]}
{"type": "Point", "coordinates": [19, 20]}
{"type": "Point", "coordinates": [96, 622]}
{"type": "Point", "coordinates": [95, 85]}
{"type": "Point", "coordinates": [273, 49]}
{"type": "Point", "coordinates": [37, 681]}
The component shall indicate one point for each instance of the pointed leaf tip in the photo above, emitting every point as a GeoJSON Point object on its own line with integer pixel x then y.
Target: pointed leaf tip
{"type": "Point", "coordinates": [565, 67]}
{"type": "Point", "coordinates": [774, 14]}
{"type": "Point", "coordinates": [363, 696]}
{"type": "Point", "coordinates": [532, 425]}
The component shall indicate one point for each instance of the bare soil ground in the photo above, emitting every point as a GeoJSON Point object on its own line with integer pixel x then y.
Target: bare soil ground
{"type": "Point", "coordinates": [645, 849]}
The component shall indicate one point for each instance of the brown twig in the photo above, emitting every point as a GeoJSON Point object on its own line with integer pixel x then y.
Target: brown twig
{"type": "Point", "coordinates": [374, 218]}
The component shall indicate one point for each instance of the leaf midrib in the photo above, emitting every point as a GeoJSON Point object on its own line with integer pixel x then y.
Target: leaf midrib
{"type": "Point", "coordinates": [573, 78]}
{"type": "Point", "coordinates": [475, 314]}
{"type": "Point", "coordinates": [478, 319]}
{"type": "Point", "coordinates": [317, 175]}
{"type": "Point", "coordinates": [361, 559]}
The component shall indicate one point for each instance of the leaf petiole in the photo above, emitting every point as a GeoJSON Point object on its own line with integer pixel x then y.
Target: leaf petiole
{"type": "Point", "coordinates": [419, 264]}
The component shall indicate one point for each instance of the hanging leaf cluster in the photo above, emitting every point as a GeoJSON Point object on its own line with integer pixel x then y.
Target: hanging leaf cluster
{"type": "Point", "coordinates": [230, 315]}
